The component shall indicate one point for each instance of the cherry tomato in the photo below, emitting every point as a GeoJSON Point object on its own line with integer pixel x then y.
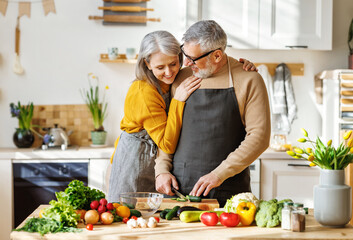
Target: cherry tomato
{"type": "Point", "coordinates": [229, 219]}
{"type": "Point", "coordinates": [133, 217]}
{"type": "Point", "coordinates": [125, 219]}
{"type": "Point", "coordinates": [157, 219]}
{"type": "Point", "coordinates": [209, 218]}
{"type": "Point", "coordinates": [89, 227]}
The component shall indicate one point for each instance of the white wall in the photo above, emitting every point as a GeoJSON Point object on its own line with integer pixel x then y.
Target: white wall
{"type": "Point", "coordinates": [57, 52]}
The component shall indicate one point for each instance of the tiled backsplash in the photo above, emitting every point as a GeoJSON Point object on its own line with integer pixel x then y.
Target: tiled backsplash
{"type": "Point", "coordinates": [71, 117]}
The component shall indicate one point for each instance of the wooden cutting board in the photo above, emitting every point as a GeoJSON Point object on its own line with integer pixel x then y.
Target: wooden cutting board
{"type": "Point", "coordinates": [205, 204]}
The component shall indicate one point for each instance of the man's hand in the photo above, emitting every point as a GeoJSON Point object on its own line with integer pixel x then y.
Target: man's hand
{"type": "Point", "coordinates": [164, 182]}
{"type": "Point", "coordinates": [205, 184]}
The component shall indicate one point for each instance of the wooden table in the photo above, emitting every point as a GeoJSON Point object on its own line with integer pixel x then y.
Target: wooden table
{"type": "Point", "coordinates": [175, 229]}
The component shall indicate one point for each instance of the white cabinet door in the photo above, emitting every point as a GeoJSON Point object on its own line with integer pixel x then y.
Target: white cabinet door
{"type": "Point", "coordinates": [238, 18]}
{"type": "Point", "coordinates": [98, 174]}
{"type": "Point", "coordinates": [292, 179]}
{"type": "Point", "coordinates": [6, 220]}
{"type": "Point", "coordinates": [296, 23]}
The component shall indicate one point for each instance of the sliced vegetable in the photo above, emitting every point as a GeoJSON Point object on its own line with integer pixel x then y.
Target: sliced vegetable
{"type": "Point", "coordinates": [193, 198]}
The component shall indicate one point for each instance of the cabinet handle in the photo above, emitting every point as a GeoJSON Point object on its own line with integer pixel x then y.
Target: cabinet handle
{"type": "Point", "coordinates": [297, 165]}
{"type": "Point", "coordinates": [297, 46]}
{"type": "Point", "coordinates": [228, 45]}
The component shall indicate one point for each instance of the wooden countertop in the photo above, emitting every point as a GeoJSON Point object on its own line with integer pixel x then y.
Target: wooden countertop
{"type": "Point", "coordinates": [177, 230]}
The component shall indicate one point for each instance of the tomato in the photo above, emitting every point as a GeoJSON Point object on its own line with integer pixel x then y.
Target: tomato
{"type": "Point", "coordinates": [123, 211]}
{"type": "Point", "coordinates": [157, 219]}
{"type": "Point", "coordinates": [103, 201]}
{"type": "Point", "coordinates": [89, 227]}
{"type": "Point", "coordinates": [209, 218]}
{"type": "Point", "coordinates": [229, 219]}
{"type": "Point", "coordinates": [94, 205]}
{"type": "Point", "coordinates": [125, 219]}
{"type": "Point", "coordinates": [133, 217]}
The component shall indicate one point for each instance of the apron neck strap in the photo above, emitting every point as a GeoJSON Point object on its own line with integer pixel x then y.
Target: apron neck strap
{"type": "Point", "coordinates": [230, 74]}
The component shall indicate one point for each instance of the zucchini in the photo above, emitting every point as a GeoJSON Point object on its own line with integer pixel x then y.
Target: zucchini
{"type": "Point", "coordinates": [134, 212]}
{"type": "Point", "coordinates": [194, 216]}
{"type": "Point", "coordinates": [193, 198]}
{"type": "Point", "coordinates": [187, 208]}
{"type": "Point", "coordinates": [164, 212]}
{"type": "Point", "coordinates": [172, 213]}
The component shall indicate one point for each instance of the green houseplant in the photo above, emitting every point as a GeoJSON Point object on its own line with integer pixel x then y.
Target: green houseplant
{"type": "Point", "coordinates": [23, 137]}
{"type": "Point", "coordinates": [332, 198]}
{"type": "Point", "coordinates": [350, 40]}
{"type": "Point", "coordinates": [97, 107]}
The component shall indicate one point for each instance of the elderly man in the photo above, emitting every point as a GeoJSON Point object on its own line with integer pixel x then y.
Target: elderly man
{"type": "Point", "coordinates": [226, 122]}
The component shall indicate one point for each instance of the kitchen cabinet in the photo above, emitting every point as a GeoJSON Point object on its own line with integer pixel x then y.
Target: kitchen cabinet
{"type": "Point", "coordinates": [6, 198]}
{"type": "Point", "coordinates": [288, 178]}
{"type": "Point", "coordinates": [269, 24]}
{"type": "Point", "coordinates": [98, 174]}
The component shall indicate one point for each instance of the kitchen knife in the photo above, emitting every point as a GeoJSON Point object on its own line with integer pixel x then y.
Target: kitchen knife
{"type": "Point", "coordinates": [124, 19]}
{"type": "Point", "coordinates": [126, 9]}
{"type": "Point", "coordinates": [178, 193]}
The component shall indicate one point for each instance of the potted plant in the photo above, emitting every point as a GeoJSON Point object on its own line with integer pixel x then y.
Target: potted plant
{"type": "Point", "coordinates": [332, 198]}
{"type": "Point", "coordinates": [350, 38]}
{"type": "Point", "coordinates": [23, 136]}
{"type": "Point", "coordinates": [98, 109]}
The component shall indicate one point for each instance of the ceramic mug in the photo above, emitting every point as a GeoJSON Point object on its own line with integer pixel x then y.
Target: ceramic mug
{"type": "Point", "coordinates": [112, 53]}
{"type": "Point", "coordinates": [130, 53]}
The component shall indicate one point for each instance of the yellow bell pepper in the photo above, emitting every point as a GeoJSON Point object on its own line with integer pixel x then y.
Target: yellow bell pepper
{"type": "Point", "coordinates": [246, 211]}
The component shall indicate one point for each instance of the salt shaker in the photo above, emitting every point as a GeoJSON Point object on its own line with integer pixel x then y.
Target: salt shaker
{"type": "Point", "coordinates": [286, 215]}
{"type": "Point", "coordinates": [298, 218]}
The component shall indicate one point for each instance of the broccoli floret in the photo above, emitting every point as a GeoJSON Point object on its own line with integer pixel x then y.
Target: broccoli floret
{"type": "Point", "coordinates": [269, 213]}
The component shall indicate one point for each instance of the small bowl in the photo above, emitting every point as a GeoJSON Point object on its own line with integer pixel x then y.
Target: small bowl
{"type": "Point", "coordinates": [147, 203]}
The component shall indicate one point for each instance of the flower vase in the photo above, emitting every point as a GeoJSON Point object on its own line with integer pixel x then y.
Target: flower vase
{"type": "Point", "coordinates": [98, 137]}
{"type": "Point", "coordinates": [23, 138]}
{"type": "Point", "coordinates": [332, 199]}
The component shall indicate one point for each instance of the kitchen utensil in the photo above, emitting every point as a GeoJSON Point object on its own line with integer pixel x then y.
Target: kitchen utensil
{"type": "Point", "coordinates": [126, 1]}
{"type": "Point", "coordinates": [124, 19]}
{"type": "Point", "coordinates": [126, 9]}
{"type": "Point", "coordinates": [178, 193]}
{"type": "Point", "coordinates": [206, 204]}
{"type": "Point", "coordinates": [58, 136]}
{"type": "Point", "coordinates": [145, 202]}
{"type": "Point", "coordinates": [17, 67]}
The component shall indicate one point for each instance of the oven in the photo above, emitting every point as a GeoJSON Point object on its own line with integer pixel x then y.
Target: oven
{"type": "Point", "coordinates": [36, 181]}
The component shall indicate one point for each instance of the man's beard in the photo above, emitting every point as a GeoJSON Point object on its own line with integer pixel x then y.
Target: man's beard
{"type": "Point", "coordinates": [207, 71]}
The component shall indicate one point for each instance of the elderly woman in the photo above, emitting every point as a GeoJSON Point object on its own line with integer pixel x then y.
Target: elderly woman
{"type": "Point", "coordinates": [151, 118]}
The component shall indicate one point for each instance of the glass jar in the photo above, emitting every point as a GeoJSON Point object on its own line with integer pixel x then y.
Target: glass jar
{"type": "Point", "coordinates": [298, 218]}
{"type": "Point", "coordinates": [286, 215]}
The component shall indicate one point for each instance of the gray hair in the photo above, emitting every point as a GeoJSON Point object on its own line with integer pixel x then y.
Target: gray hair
{"type": "Point", "coordinates": [154, 42]}
{"type": "Point", "coordinates": [208, 34]}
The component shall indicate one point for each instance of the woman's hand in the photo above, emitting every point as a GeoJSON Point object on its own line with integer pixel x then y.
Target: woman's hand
{"type": "Point", "coordinates": [247, 65]}
{"type": "Point", "coordinates": [188, 86]}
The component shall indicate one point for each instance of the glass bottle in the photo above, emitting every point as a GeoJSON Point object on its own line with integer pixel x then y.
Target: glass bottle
{"type": "Point", "coordinates": [298, 218]}
{"type": "Point", "coordinates": [286, 215]}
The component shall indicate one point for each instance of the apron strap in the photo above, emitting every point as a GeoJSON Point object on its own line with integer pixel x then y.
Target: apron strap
{"type": "Point", "coordinates": [230, 74]}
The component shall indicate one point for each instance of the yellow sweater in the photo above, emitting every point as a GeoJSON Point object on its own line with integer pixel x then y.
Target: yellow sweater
{"type": "Point", "coordinates": [145, 109]}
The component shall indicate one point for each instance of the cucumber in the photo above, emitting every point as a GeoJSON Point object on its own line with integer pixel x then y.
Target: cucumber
{"type": "Point", "coordinates": [172, 213]}
{"type": "Point", "coordinates": [194, 216]}
{"type": "Point", "coordinates": [164, 212]}
{"type": "Point", "coordinates": [131, 206]}
{"type": "Point", "coordinates": [134, 212]}
{"type": "Point", "coordinates": [194, 198]}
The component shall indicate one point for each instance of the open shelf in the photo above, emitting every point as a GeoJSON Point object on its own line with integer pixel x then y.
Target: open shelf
{"type": "Point", "coordinates": [121, 59]}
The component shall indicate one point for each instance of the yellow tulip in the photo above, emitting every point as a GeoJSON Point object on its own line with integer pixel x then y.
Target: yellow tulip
{"type": "Point", "coordinates": [329, 143]}
{"type": "Point", "coordinates": [303, 140]}
{"type": "Point", "coordinates": [347, 135]}
{"type": "Point", "coordinates": [291, 153]}
{"type": "Point", "coordinates": [312, 164]}
{"type": "Point", "coordinates": [298, 150]}
{"type": "Point", "coordinates": [107, 87]}
{"type": "Point", "coordinates": [351, 150]}
{"type": "Point", "coordinates": [305, 133]}
{"type": "Point", "coordinates": [298, 156]}
{"type": "Point", "coordinates": [311, 158]}
{"type": "Point", "coordinates": [350, 142]}
{"type": "Point", "coordinates": [309, 150]}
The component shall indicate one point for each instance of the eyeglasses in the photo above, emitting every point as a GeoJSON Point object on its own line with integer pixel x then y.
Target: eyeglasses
{"type": "Point", "coordinates": [198, 58]}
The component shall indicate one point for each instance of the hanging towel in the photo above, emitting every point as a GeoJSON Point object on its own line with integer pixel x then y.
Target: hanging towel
{"type": "Point", "coordinates": [283, 94]}
{"type": "Point", "coordinates": [266, 76]}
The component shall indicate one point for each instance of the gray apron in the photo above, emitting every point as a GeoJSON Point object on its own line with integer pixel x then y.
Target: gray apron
{"type": "Point", "coordinates": [133, 162]}
{"type": "Point", "coordinates": [212, 129]}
